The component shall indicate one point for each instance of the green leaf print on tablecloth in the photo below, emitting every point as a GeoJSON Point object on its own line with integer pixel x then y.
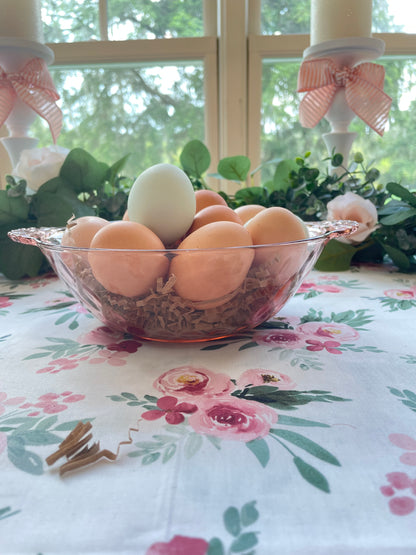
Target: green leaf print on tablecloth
{"type": "Point", "coordinates": [201, 407]}
{"type": "Point", "coordinates": [30, 426]}
{"type": "Point", "coordinates": [297, 339]}
{"type": "Point", "coordinates": [407, 397]}
{"type": "Point", "coordinates": [6, 512]}
{"type": "Point", "coordinates": [236, 523]}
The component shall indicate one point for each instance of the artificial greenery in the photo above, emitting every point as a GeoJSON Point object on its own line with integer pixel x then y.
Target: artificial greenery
{"type": "Point", "coordinates": [83, 187]}
{"type": "Point", "coordinates": [306, 190]}
{"type": "Point", "coordinates": [88, 187]}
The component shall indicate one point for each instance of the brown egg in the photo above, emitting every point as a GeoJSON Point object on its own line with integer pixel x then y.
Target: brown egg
{"type": "Point", "coordinates": [248, 211]}
{"type": "Point", "coordinates": [278, 225]}
{"type": "Point", "coordinates": [214, 213]}
{"type": "Point", "coordinates": [211, 275]}
{"type": "Point", "coordinates": [80, 231]}
{"type": "Point", "coordinates": [207, 197]}
{"type": "Point", "coordinates": [130, 273]}
{"type": "Point", "coordinates": [126, 216]}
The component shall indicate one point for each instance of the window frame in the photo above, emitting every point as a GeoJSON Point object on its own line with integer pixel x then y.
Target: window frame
{"type": "Point", "coordinates": [232, 52]}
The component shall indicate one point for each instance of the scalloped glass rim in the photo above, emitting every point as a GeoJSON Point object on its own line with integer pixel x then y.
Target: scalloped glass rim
{"type": "Point", "coordinates": [50, 237]}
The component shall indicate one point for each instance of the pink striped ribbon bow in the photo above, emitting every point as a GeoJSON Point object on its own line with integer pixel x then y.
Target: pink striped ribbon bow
{"type": "Point", "coordinates": [33, 85]}
{"type": "Point", "coordinates": [320, 79]}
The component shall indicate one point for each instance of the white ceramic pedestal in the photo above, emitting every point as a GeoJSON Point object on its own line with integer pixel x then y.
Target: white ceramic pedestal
{"type": "Point", "coordinates": [346, 52]}
{"type": "Point", "coordinates": [14, 54]}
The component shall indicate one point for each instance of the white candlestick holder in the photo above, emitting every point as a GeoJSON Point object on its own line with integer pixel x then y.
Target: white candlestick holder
{"type": "Point", "coordinates": [345, 52]}
{"type": "Point", "coordinates": [14, 54]}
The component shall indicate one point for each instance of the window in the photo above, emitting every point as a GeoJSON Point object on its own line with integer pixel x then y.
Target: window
{"type": "Point", "coordinates": [146, 76]}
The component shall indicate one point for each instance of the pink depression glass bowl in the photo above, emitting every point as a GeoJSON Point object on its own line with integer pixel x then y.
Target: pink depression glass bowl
{"type": "Point", "coordinates": [161, 313]}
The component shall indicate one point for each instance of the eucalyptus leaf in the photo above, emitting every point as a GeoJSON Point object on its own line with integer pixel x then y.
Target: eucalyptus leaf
{"type": "Point", "coordinates": [17, 260]}
{"type": "Point", "coordinates": [195, 158]}
{"type": "Point", "coordinates": [402, 192]}
{"type": "Point", "coordinates": [335, 257]}
{"type": "Point", "coordinates": [83, 172]}
{"type": "Point", "coordinates": [115, 169]}
{"type": "Point", "coordinates": [398, 217]}
{"type": "Point", "coordinates": [252, 195]}
{"type": "Point", "coordinates": [281, 181]}
{"type": "Point", "coordinates": [398, 257]}
{"type": "Point", "coordinates": [12, 208]}
{"type": "Point", "coordinates": [235, 168]}
{"type": "Point", "coordinates": [55, 203]}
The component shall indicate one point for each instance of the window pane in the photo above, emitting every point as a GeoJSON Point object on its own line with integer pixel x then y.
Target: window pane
{"type": "Point", "coordinates": [283, 136]}
{"type": "Point", "coordinates": [280, 17]}
{"type": "Point", "coordinates": [150, 19]}
{"type": "Point", "coordinates": [75, 20]}
{"type": "Point", "coordinates": [70, 20]}
{"type": "Point", "coordinates": [150, 112]}
{"type": "Point", "coordinates": [394, 16]}
{"type": "Point", "coordinates": [285, 17]}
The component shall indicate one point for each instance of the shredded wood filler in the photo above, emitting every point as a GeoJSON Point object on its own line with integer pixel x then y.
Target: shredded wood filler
{"type": "Point", "coordinates": [77, 452]}
{"type": "Point", "coordinates": [164, 315]}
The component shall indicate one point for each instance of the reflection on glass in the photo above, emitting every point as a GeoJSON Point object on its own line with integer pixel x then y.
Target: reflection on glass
{"type": "Point", "coordinates": [283, 136]}
{"type": "Point", "coordinates": [150, 112]}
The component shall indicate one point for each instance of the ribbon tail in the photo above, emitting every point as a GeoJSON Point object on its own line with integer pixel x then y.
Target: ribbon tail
{"type": "Point", "coordinates": [42, 103]}
{"type": "Point", "coordinates": [7, 100]}
{"type": "Point", "coordinates": [371, 104]}
{"type": "Point", "coordinates": [315, 104]}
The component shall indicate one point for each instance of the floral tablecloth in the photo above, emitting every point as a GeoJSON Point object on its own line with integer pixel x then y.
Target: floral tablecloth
{"type": "Point", "coordinates": [299, 437]}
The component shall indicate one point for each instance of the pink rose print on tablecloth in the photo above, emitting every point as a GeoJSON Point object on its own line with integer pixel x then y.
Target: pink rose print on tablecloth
{"type": "Point", "coordinates": [170, 409]}
{"type": "Point", "coordinates": [179, 545]}
{"type": "Point", "coordinates": [337, 331]}
{"type": "Point", "coordinates": [233, 418]}
{"type": "Point", "coordinates": [401, 294]}
{"type": "Point", "coordinates": [407, 443]}
{"type": "Point", "coordinates": [308, 286]}
{"type": "Point", "coordinates": [116, 350]}
{"type": "Point", "coordinates": [402, 505]}
{"type": "Point", "coordinates": [97, 346]}
{"type": "Point", "coordinates": [63, 363]}
{"type": "Point", "coordinates": [52, 403]}
{"type": "Point", "coordinates": [285, 338]}
{"type": "Point", "coordinates": [190, 381]}
{"type": "Point", "coordinates": [7, 401]}
{"type": "Point", "coordinates": [5, 302]}
{"type": "Point", "coordinates": [259, 376]}
{"type": "Point", "coordinates": [100, 336]}
{"type": "Point", "coordinates": [330, 346]}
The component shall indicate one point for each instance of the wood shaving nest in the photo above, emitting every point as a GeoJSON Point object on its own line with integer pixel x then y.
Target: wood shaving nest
{"type": "Point", "coordinates": [162, 314]}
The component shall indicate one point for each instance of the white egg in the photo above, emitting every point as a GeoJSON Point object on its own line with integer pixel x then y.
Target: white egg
{"type": "Point", "coordinates": [162, 198]}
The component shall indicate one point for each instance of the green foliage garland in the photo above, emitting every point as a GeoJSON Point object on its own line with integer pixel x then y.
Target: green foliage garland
{"type": "Point", "coordinates": [85, 186]}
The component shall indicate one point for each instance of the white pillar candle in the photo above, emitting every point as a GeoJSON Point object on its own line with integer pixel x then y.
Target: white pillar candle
{"type": "Point", "coordinates": [336, 19]}
{"type": "Point", "coordinates": [21, 19]}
